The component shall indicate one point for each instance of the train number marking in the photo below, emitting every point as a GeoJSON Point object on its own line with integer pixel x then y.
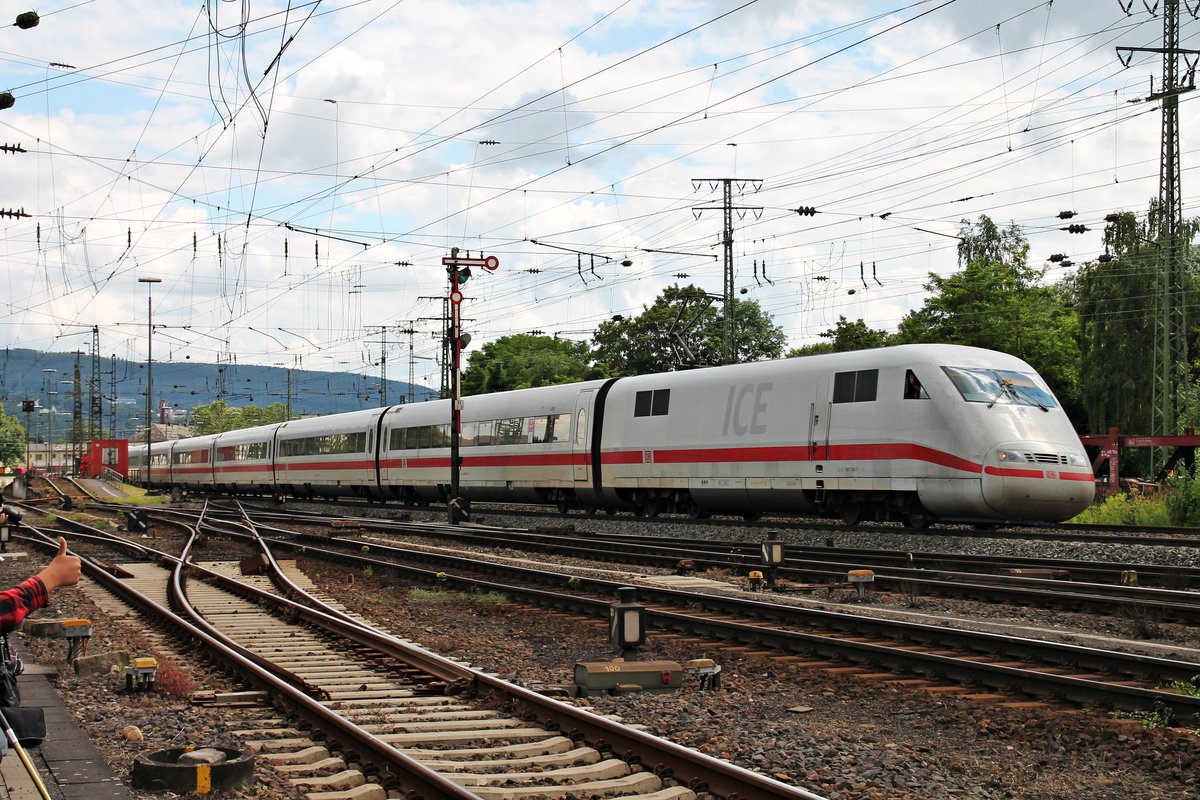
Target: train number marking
{"type": "Point", "coordinates": [745, 408]}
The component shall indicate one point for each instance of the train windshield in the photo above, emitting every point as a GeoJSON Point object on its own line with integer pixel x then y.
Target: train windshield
{"type": "Point", "coordinates": [1002, 386]}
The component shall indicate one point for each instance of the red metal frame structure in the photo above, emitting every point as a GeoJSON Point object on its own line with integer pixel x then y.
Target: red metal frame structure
{"type": "Point", "coordinates": [1111, 443]}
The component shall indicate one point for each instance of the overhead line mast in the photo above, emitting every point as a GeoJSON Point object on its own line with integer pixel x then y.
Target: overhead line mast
{"type": "Point", "coordinates": [728, 348]}
{"type": "Point", "coordinates": [1171, 351]}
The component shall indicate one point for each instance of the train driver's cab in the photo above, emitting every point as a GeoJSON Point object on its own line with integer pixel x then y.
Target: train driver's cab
{"type": "Point", "coordinates": [999, 387]}
{"type": "Point", "coordinates": [913, 390]}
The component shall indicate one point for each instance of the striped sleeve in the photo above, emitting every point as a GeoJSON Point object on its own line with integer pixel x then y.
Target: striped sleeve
{"type": "Point", "coordinates": [18, 601]}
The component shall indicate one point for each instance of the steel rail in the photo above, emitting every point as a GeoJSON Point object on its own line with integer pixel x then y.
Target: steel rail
{"type": "Point", "coordinates": [1064, 654]}
{"type": "Point", "coordinates": [1181, 605]}
{"type": "Point", "coordinates": [404, 771]}
{"type": "Point", "coordinates": [667, 759]}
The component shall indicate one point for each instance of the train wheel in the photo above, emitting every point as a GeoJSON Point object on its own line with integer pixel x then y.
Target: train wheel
{"type": "Point", "coordinates": [751, 516]}
{"type": "Point", "coordinates": [564, 507]}
{"type": "Point", "coordinates": [590, 510]}
{"type": "Point", "coordinates": [650, 508]}
{"type": "Point", "coordinates": [610, 511]}
{"type": "Point", "coordinates": [917, 519]}
{"type": "Point", "coordinates": [697, 512]}
{"type": "Point", "coordinates": [852, 513]}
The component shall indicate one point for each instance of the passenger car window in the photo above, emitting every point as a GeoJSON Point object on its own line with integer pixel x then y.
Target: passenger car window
{"type": "Point", "coordinates": [855, 387]}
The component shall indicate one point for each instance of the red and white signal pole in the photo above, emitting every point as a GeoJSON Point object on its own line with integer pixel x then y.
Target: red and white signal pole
{"type": "Point", "coordinates": [459, 271]}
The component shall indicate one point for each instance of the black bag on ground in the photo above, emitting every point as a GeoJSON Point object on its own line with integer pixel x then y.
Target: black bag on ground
{"type": "Point", "coordinates": [28, 724]}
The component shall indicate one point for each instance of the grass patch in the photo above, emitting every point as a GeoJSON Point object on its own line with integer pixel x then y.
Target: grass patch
{"type": "Point", "coordinates": [441, 596]}
{"type": "Point", "coordinates": [139, 496]}
{"type": "Point", "coordinates": [1190, 687]}
{"type": "Point", "coordinates": [1128, 508]}
{"type": "Point", "coordinates": [1158, 718]}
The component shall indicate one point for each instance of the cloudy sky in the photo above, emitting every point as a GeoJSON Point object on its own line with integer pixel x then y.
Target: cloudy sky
{"type": "Point", "coordinates": [294, 174]}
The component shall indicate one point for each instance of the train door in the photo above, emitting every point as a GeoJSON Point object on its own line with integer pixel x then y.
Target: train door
{"type": "Point", "coordinates": [581, 451]}
{"type": "Point", "coordinates": [818, 420]}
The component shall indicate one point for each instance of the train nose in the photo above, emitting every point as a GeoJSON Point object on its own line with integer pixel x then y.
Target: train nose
{"type": "Point", "coordinates": [1038, 481]}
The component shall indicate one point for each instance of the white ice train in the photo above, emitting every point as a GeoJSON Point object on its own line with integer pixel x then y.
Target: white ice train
{"type": "Point", "coordinates": [918, 433]}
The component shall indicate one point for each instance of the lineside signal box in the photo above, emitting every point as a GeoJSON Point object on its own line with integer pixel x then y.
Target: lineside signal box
{"type": "Point", "coordinates": [617, 677]}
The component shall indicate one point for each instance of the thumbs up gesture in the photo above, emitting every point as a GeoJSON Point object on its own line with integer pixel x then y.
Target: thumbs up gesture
{"type": "Point", "coordinates": [63, 570]}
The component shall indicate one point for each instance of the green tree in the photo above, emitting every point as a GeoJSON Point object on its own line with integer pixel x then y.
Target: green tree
{"type": "Point", "coordinates": [12, 440]}
{"type": "Point", "coordinates": [997, 301]}
{"type": "Point", "coordinates": [683, 329]}
{"type": "Point", "coordinates": [1118, 298]}
{"type": "Point", "coordinates": [843, 337]}
{"type": "Point", "coordinates": [218, 417]}
{"type": "Point", "coordinates": [1115, 300]}
{"type": "Point", "coordinates": [524, 360]}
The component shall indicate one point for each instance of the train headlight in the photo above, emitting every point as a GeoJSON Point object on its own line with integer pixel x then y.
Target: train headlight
{"type": "Point", "coordinates": [1077, 460]}
{"type": "Point", "coordinates": [1007, 456]}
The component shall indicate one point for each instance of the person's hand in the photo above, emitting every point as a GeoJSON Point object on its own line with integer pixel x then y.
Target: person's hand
{"type": "Point", "coordinates": [63, 570]}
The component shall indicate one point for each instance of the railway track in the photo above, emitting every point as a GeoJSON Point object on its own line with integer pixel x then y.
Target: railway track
{"type": "Point", "coordinates": [1031, 667]}
{"type": "Point", "coordinates": [1057, 583]}
{"type": "Point", "coordinates": [1060, 532]}
{"type": "Point", "coordinates": [420, 724]}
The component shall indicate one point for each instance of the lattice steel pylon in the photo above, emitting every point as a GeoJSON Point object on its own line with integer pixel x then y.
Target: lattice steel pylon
{"type": "Point", "coordinates": [728, 339]}
{"type": "Point", "coordinates": [1171, 351]}
{"type": "Point", "coordinates": [95, 391]}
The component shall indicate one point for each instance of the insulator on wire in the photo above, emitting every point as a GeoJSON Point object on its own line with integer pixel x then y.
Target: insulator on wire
{"type": "Point", "coordinates": [1066, 214]}
{"type": "Point", "coordinates": [1056, 258]}
{"type": "Point", "coordinates": [1104, 258]}
{"type": "Point", "coordinates": [1076, 229]}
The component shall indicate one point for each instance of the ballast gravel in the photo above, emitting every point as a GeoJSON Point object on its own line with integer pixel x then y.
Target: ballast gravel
{"type": "Point", "coordinates": [835, 735]}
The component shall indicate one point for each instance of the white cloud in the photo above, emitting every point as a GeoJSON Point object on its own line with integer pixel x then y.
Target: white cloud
{"type": "Point", "coordinates": [138, 163]}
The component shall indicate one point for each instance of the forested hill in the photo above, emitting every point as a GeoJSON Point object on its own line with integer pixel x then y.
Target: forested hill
{"type": "Point", "coordinates": [184, 385]}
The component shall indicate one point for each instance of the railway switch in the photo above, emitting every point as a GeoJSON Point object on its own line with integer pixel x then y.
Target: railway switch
{"type": "Point", "coordinates": [77, 632]}
{"type": "Point", "coordinates": [619, 676]}
{"type": "Point", "coordinates": [1129, 577]}
{"type": "Point", "coordinates": [140, 675]}
{"type": "Point", "coordinates": [756, 580]}
{"type": "Point", "coordinates": [257, 564]}
{"type": "Point", "coordinates": [859, 578]}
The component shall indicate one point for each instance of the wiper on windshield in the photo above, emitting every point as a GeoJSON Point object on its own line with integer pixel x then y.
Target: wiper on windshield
{"type": "Point", "coordinates": [1031, 397]}
{"type": "Point", "coordinates": [1006, 388]}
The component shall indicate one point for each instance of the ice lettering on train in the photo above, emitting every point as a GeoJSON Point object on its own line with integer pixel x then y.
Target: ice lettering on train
{"type": "Point", "coordinates": [745, 407]}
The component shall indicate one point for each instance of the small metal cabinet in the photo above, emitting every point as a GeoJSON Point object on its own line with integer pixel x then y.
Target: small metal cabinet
{"type": "Point", "coordinates": [628, 676]}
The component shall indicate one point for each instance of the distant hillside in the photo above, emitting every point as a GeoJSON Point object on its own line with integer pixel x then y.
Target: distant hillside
{"type": "Point", "coordinates": [183, 386]}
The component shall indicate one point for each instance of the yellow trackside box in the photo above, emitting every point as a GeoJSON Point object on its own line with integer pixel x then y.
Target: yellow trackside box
{"type": "Point", "coordinates": [628, 676]}
{"type": "Point", "coordinates": [73, 628]}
